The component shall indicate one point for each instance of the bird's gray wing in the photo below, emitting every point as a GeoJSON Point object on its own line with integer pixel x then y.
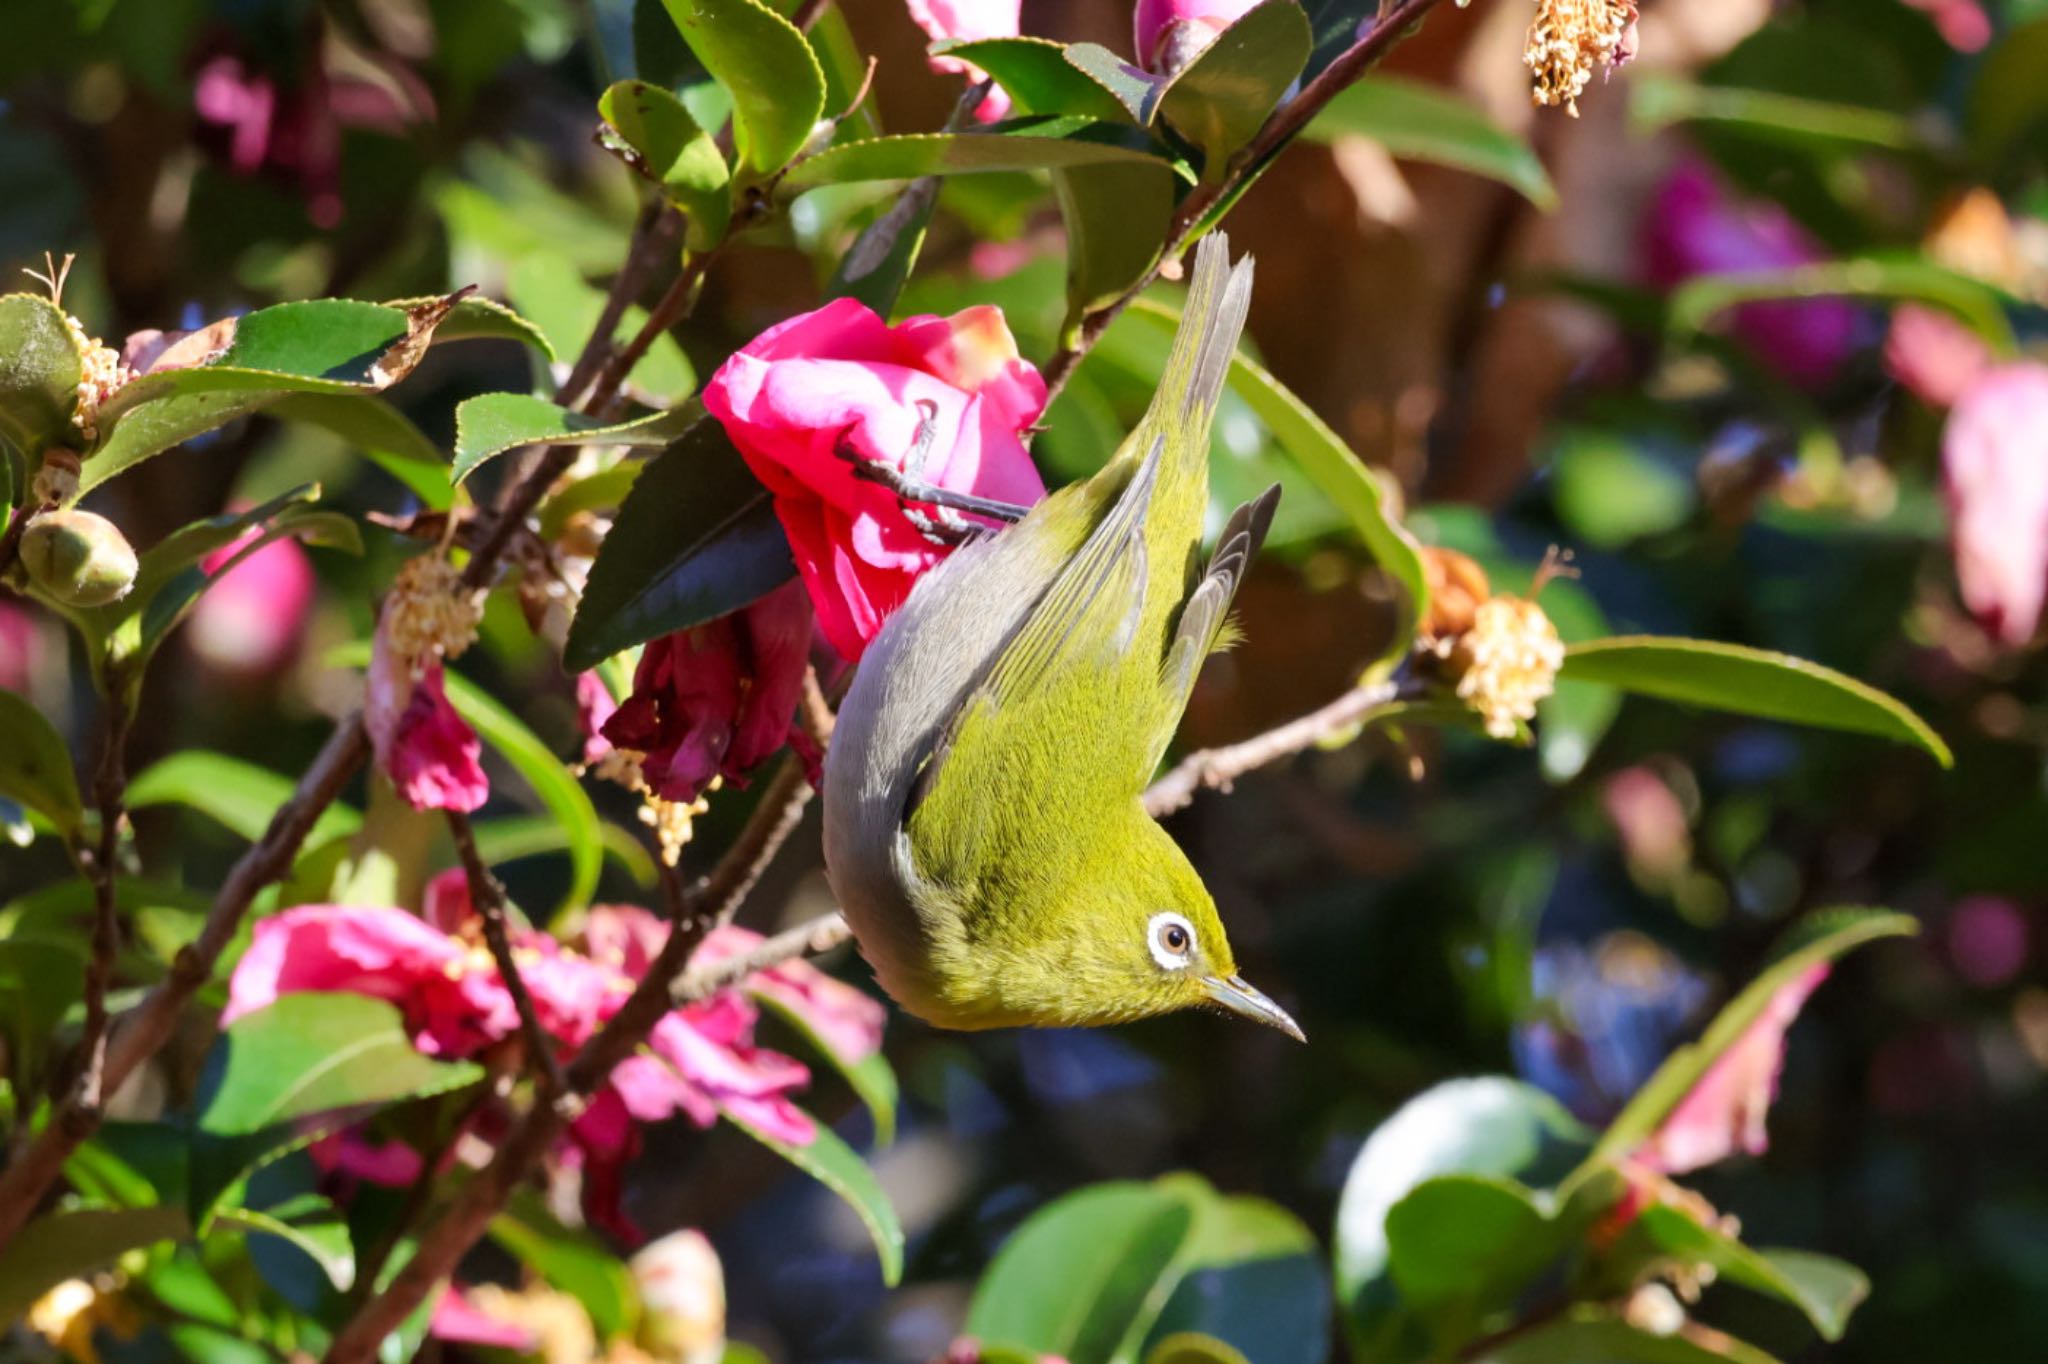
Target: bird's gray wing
{"type": "Point", "coordinates": [1208, 606]}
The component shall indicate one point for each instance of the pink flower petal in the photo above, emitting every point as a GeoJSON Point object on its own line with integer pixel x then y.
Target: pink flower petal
{"type": "Point", "coordinates": [1995, 463]}
{"type": "Point", "coordinates": [456, 1319]}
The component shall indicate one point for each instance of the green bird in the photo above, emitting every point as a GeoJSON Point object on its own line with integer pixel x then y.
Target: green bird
{"type": "Point", "coordinates": [984, 827]}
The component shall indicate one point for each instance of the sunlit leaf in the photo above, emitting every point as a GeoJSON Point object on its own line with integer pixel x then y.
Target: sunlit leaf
{"type": "Point", "coordinates": [665, 145]}
{"type": "Point", "coordinates": [766, 64]}
{"type": "Point", "coordinates": [834, 1164]}
{"type": "Point", "coordinates": [1422, 122]}
{"type": "Point", "coordinates": [492, 423]}
{"type": "Point", "coordinates": [40, 369]}
{"type": "Point", "coordinates": [239, 795]}
{"type": "Point", "coordinates": [1221, 98]}
{"type": "Point", "coordinates": [1050, 143]}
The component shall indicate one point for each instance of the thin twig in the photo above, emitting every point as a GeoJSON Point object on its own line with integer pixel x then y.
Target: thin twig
{"type": "Point", "coordinates": [444, 1240]}
{"type": "Point", "coordinates": [1289, 119]}
{"type": "Point", "coordinates": [812, 938]}
{"type": "Point", "coordinates": [102, 867]}
{"type": "Point", "coordinates": [1217, 768]}
{"type": "Point", "coordinates": [488, 898]}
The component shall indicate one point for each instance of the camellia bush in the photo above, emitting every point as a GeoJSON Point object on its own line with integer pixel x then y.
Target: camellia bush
{"type": "Point", "coordinates": [402, 1070]}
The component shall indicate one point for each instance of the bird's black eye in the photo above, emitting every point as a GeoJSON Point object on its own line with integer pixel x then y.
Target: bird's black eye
{"type": "Point", "coordinates": [1172, 939]}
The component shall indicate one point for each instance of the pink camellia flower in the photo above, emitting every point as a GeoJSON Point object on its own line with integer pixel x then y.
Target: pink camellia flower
{"type": "Point", "coordinates": [21, 647]}
{"type": "Point", "coordinates": [1724, 1112]}
{"type": "Point", "coordinates": [427, 750]}
{"type": "Point", "coordinates": [948, 399]}
{"type": "Point", "coordinates": [1695, 227]}
{"type": "Point", "coordinates": [846, 1020]}
{"type": "Point", "coordinates": [1994, 456]}
{"type": "Point", "coordinates": [249, 621]}
{"type": "Point", "coordinates": [717, 699]}
{"type": "Point", "coordinates": [1171, 33]}
{"type": "Point", "coordinates": [1933, 355]}
{"type": "Point", "coordinates": [969, 21]}
{"type": "Point", "coordinates": [1963, 24]}
{"type": "Point", "coordinates": [457, 1319]}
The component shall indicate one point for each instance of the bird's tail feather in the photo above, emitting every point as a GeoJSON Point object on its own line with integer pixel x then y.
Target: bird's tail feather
{"type": "Point", "coordinates": [1218, 296]}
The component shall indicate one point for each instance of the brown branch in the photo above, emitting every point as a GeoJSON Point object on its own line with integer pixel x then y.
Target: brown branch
{"type": "Point", "coordinates": [488, 898]}
{"type": "Point", "coordinates": [1289, 119]}
{"type": "Point", "coordinates": [102, 867]}
{"type": "Point", "coordinates": [1217, 768]}
{"type": "Point", "coordinates": [813, 938]}
{"type": "Point", "coordinates": [447, 1238]}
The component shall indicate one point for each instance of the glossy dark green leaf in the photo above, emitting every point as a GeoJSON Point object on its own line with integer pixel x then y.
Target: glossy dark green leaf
{"type": "Point", "coordinates": [77, 1245]}
{"type": "Point", "coordinates": [1222, 98]}
{"type": "Point", "coordinates": [492, 423]}
{"type": "Point", "coordinates": [696, 538]}
{"type": "Point", "coordinates": [1051, 143]}
{"type": "Point", "coordinates": [315, 1053]}
{"type": "Point", "coordinates": [834, 1164]}
{"type": "Point", "coordinates": [481, 319]}
{"type": "Point", "coordinates": [35, 764]}
{"type": "Point", "coordinates": [1593, 1335]}
{"type": "Point", "coordinates": [1461, 1249]}
{"type": "Point", "coordinates": [870, 1077]}
{"type": "Point", "coordinates": [1038, 76]}
{"type": "Point", "coordinates": [1422, 122]}
{"type": "Point", "coordinates": [310, 1224]}
{"type": "Point", "coordinates": [239, 795]}
{"type": "Point", "coordinates": [1820, 937]}
{"type": "Point", "coordinates": [1748, 681]}
{"type": "Point", "coordinates": [1247, 1276]}
{"type": "Point", "coordinates": [1135, 90]}
{"type": "Point", "coordinates": [667, 147]}
{"type": "Point", "coordinates": [1491, 1127]}
{"type": "Point", "coordinates": [40, 368]}
{"type": "Point", "coordinates": [766, 64]}
{"type": "Point", "coordinates": [330, 345]}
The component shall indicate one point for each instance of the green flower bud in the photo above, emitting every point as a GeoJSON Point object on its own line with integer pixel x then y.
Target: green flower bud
{"type": "Point", "coordinates": [78, 557]}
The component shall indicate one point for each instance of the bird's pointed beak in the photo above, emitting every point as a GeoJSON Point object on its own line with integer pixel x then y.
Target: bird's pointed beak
{"type": "Point", "coordinates": [1240, 997]}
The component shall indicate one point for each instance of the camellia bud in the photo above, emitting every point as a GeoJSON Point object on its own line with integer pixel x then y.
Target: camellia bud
{"type": "Point", "coordinates": [1171, 33]}
{"type": "Point", "coordinates": [682, 1288]}
{"type": "Point", "coordinates": [78, 557]}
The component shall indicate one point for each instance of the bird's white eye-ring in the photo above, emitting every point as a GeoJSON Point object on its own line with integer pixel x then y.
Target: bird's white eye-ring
{"type": "Point", "coordinates": [1172, 939]}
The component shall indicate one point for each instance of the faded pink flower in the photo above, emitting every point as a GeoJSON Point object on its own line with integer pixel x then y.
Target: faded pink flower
{"type": "Point", "coordinates": [969, 21]}
{"type": "Point", "coordinates": [1987, 939]}
{"type": "Point", "coordinates": [1168, 34]}
{"type": "Point", "coordinates": [249, 621]}
{"type": "Point", "coordinates": [1696, 227]}
{"type": "Point", "coordinates": [427, 750]}
{"type": "Point", "coordinates": [1724, 1112]}
{"type": "Point", "coordinates": [21, 647]}
{"type": "Point", "coordinates": [458, 1320]}
{"type": "Point", "coordinates": [1963, 24]}
{"type": "Point", "coordinates": [1655, 834]}
{"type": "Point", "coordinates": [718, 699]}
{"type": "Point", "coordinates": [1933, 355]}
{"type": "Point", "coordinates": [392, 1164]}
{"type": "Point", "coordinates": [804, 396]}
{"type": "Point", "coordinates": [594, 706]}
{"type": "Point", "coordinates": [1994, 456]}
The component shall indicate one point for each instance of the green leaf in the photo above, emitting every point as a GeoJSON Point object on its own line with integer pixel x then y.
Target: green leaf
{"type": "Point", "coordinates": [880, 260]}
{"type": "Point", "coordinates": [40, 982]}
{"type": "Point", "coordinates": [492, 423]}
{"type": "Point", "coordinates": [40, 369]}
{"type": "Point", "coordinates": [1462, 1248]}
{"type": "Point", "coordinates": [1221, 98]}
{"type": "Point", "coordinates": [1423, 122]}
{"type": "Point", "coordinates": [511, 837]}
{"type": "Point", "coordinates": [1657, 101]}
{"type": "Point", "coordinates": [1748, 681]}
{"type": "Point", "coordinates": [1977, 305]}
{"type": "Point", "coordinates": [1321, 454]}
{"type": "Point", "coordinates": [1590, 1335]}
{"type": "Point", "coordinates": [157, 426]}
{"type": "Point", "coordinates": [1135, 89]}
{"type": "Point", "coordinates": [1051, 143]}
{"type": "Point", "coordinates": [1490, 1127]}
{"type": "Point", "coordinates": [572, 1262]}
{"type": "Point", "coordinates": [310, 1223]}
{"type": "Point", "coordinates": [238, 795]}
{"type": "Point", "coordinates": [316, 1053]}
{"type": "Point", "coordinates": [77, 1245]}
{"type": "Point", "coordinates": [1192, 1347]}
{"type": "Point", "coordinates": [551, 290]}
{"type": "Point", "coordinates": [1820, 937]}
{"type": "Point", "coordinates": [696, 538]}
{"type": "Point", "coordinates": [329, 345]}
{"type": "Point", "coordinates": [35, 764]}
{"type": "Point", "coordinates": [766, 64]}
{"type": "Point", "coordinates": [1248, 1275]}
{"type": "Point", "coordinates": [2009, 96]}
{"type": "Point", "coordinates": [834, 1164]}
{"type": "Point", "coordinates": [380, 431]}
{"type": "Point", "coordinates": [1826, 1290]}
{"type": "Point", "coordinates": [1038, 76]}
{"type": "Point", "coordinates": [667, 147]}
{"type": "Point", "coordinates": [1073, 1280]}
{"type": "Point", "coordinates": [481, 319]}
{"type": "Point", "coordinates": [870, 1077]}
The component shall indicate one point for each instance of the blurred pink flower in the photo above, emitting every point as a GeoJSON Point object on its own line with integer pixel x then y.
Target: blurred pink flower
{"type": "Point", "coordinates": [458, 1320]}
{"type": "Point", "coordinates": [847, 1020]}
{"type": "Point", "coordinates": [392, 1164]}
{"type": "Point", "coordinates": [969, 20]}
{"type": "Point", "coordinates": [700, 1061]}
{"type": "Point", "coordinates": [804, 397]}
{"type": "Point", "coordinates": [1994, 456]}
{"type": "Point", "coordinates": [718, 699]}
{"type": "Point", "coordinates": [594, 706]}
{"type": "Point", "coordinates": [1695, 227]}
{"type": "Point", "coordinates": [1987, 939]}
{"type": "Point", "coordinates": [1933, 355]}
{"type": "Point", "coordinates": [249, 621]}
{"type": "Point", "coordinates": [427, 750]}
{"type": "Point", "coordinates": [1168, 34]}
{"type": "Point", "coordinates": [1963, 24]}
{"type": "Point", "coordinates": [1724, 1112]}
{"type": "Point", "coordinates": [21, 647]}
{"type": "Point", "coordinates": [1656, 837]}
